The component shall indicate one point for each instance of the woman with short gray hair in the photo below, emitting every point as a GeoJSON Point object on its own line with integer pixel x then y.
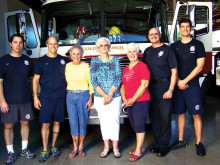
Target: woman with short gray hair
{"type": "Point", "coordinates": [106, 80]}
{"type": "Point", "coordinates": [136, 97]}
{"type": "Point", "coordinates": [79, 98]}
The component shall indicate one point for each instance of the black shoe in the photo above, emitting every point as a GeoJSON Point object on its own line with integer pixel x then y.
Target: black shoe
{"type": "Point", "coordinates": [10, 159]}
{"type": "Point", "coordinates": [162, 152]}
{"type": "Point", "coordinates": [178, 144]}
{"type": "Point", "coordinates": [200, 149]}
{"type": "Point", "coordinates": [154, 149]}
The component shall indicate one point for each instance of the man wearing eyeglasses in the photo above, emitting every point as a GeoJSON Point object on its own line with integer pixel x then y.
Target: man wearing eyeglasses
{"type": "Point", "coordinates": [162, 64]}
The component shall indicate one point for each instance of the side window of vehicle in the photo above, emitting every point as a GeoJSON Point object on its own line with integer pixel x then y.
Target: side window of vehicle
{"type": "Point", "coordinates": [13, 28]}
{"type": "Point", "coordinates": [181, 15]}
{"type": "Point", "coordinates": [201, 26]}
{"type": "Point", "coordinates": [202, 20]}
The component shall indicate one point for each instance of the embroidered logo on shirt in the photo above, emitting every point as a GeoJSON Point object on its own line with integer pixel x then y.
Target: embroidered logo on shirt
{"type": "Point", "coordinates": [128, 75]}
{"type": "Point", "coordinates": [26, 62]}
{"type": "Point", "coordinates": [160, 53]}
{"type": "Point", "coordinates": [197, 107]}
{"type": "Point", "coordinates": [27, 116]}
{"type": "Point", "coordinates": [62, 61]}
{"type": "Point", "coordinates": [7, 64]}
{"type": "Point", "coordinates": [192, 49]}
{"type": "Point", "coordinates": [46, 63]}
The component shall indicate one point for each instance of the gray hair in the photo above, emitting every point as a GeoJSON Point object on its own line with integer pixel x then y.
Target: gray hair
{"type": "Point", "coordinates": [132, 45]}
{"type": "Point", "coordinates": [77, 46]}
{"type": "Point", "coordinates": [97, 44]}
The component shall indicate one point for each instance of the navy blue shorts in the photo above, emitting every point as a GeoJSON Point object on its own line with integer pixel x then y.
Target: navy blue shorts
{"type": "Point", "coordinates": [188, 100]}
{"type": "Point", "coordinates": [138, 115]}
{"type": "Point", "coordinates": [52, 109]}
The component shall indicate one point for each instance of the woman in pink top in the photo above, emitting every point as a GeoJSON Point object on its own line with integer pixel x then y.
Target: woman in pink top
{"type": "Point", "coordinates": [136, 97]}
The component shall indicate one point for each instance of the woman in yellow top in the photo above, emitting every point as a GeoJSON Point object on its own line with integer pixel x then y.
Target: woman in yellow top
{"type": "Point", "coordinates": [79, 98]}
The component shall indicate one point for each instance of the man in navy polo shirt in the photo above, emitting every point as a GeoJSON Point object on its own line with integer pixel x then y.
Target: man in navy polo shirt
{"type": "Point", "coordinates": [49, 72]}
{"type": "Point", "coordinates": [162, 64]}
{"type": "Point", "coordinates": [16, 70]}
{"type": "Point", "coordinates": [190, 55]}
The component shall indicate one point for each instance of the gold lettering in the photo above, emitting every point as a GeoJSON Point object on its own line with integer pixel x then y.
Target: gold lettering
{"type": "Point", "coordinates": [89, 48]}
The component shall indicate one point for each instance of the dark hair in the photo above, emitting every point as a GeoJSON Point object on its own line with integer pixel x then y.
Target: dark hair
{"type": "Point", "coordinates": [50, 37]}
{"type": "Point", "coordinates": [185, 20]}
{"type": "Point", "coordinates": [16, 35]}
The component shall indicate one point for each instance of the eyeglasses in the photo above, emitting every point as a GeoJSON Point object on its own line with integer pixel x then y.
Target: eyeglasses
{"type": "Point", "coordinates": [103, 46]}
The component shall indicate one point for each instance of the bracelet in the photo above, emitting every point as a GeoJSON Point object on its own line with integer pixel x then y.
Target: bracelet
{"type": "Point", "coordinates": [171, 90]}
{"type": "Point", "coordinates": [133, 99]}
{"type": "Point", "coordinates": [111, 94]}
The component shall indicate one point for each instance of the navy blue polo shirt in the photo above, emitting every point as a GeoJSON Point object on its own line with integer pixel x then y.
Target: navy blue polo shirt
{"type": "Point", "coordinates": [187, 55]}
{"type": "Point", "coordinates": [160, 61]}
{"type": "Point", "coordinates": [52, 76]}
{"type": "Point", "coordinates": [16, 73]}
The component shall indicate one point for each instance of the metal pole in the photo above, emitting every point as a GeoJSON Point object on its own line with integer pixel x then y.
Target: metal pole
{"type": "Point", "coordinates": [164, 28]}
{"type": "Point", "coordinates": [103, 34]}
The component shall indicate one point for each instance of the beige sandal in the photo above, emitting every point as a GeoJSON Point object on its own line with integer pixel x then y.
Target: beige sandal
{"type": "Point", "coordinates": [117, 154]}
{"type": "Point", "coordinates": [104, 153]}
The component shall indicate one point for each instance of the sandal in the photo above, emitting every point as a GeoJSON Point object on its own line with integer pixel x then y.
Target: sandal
{"type": "Point", "coordinates": [134, 158]}
{"type": "Point", "coordinates": [82, 154]}
{"type": "Point", "coordinates": [133, 151]}
{"type": "Point", "coordinates": [116, 153]}
{"type": "Point", "coordinates": [72, 154]}
{"type": "Point", "coordinates": [104, 153]}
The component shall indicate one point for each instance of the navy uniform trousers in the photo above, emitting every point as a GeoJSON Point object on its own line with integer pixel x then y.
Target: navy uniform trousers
{"type": "Point", "coordinates": [160, 113]}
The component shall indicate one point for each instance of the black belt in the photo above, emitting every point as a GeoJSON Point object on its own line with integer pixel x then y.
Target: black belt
{"type": "Point", "coordinates": [160, 81]}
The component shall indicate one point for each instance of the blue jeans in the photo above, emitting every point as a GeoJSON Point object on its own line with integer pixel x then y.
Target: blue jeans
{"type": "Point", "coordinates": [78, 113]}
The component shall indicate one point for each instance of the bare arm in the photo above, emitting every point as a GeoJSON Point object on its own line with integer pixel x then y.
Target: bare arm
{"type": "Point", "coordinates": [141, 89]}
{"type": "Point", "coordinates": [89, 103]}
{"type": "Point", "coordinates": [200, 63]}
{"type": "Point", "coordinates": [122, 90]}
{"type": "Point", "coordinates": [112, 90]}
{"type": "Point", "coordinates": [107, 98]}
{"type": "Point", "coordinates": [37, 103]}
{"type": "Point", "coordinates": [168, 94]}
{"type": "Point", "coordinates": [3, 104]}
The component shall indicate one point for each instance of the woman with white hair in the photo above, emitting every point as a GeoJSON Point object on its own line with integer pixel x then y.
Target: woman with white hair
{"type": "Point", "coordinates": [105, 73]}
{"type": "Point", "coordinates": [136, 97]}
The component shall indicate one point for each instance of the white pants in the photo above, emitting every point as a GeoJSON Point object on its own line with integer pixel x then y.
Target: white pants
{"type": "Point", "coordinates": [109, 116]}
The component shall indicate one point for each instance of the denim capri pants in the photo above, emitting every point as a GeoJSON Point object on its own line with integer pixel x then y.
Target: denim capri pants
{"type": "Point", "coordinates": [78, 113]}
